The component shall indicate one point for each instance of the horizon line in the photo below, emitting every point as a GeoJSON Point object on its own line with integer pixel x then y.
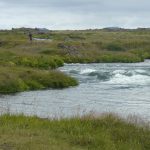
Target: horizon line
{"type": "Point", "coordinates": [107, 27]}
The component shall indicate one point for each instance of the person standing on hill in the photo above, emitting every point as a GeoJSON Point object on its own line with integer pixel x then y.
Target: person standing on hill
{"type": "Point", "coordinates": [30, 37]}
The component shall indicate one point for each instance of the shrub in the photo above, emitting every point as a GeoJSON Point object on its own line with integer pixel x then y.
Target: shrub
{"type": "Point", "coordinates": [114, 47]}
{"type": "Point", "coordinates": [39, 62]}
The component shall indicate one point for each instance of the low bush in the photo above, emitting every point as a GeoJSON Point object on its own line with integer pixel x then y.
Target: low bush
{"type": "Point", "coordinates": [39, 62]}
{"type": "Point", "coordinates": [114, 47]}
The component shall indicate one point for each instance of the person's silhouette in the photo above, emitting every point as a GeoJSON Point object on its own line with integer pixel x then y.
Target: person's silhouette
{"type": "Point", "coordinates": [30, 37]}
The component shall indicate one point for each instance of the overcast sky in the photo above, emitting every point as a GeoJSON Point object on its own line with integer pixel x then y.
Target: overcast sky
{"type": "Point", "coordinates": [74, 14]}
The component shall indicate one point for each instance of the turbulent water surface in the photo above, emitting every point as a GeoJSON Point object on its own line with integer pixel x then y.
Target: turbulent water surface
{"type": "Point", "coordinates": [119, 88]}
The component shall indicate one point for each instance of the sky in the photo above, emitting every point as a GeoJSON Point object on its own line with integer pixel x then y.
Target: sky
{"type": "Point", "coordinates": [74, 14]}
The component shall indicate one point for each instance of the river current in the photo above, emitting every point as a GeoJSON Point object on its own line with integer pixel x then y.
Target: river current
{"type": "Point", "coordinates": [107, 87]}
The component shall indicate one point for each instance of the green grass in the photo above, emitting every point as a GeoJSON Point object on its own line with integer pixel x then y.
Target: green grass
{"type": "Point", "coordinates": [86, 133]}
{"type": "Point", "coordinates": [89, 46]}
{"type": "Point", "coordinates": [28, 66]}
{"type": "Point", "coordinates": [18, 79]}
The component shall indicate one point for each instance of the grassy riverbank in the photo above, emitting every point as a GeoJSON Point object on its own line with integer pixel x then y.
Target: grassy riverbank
{"type": "Point", "coordinates": [94, 133]}
{"type": "Point", "coordinates": [80, 46]}
{"type": "Point", "coordinates": [18, 79]}
{"type": "Point", "coordinates": [18, 56]}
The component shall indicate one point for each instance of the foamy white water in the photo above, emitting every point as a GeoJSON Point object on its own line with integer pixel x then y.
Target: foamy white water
{"type": "Point", "coordinates": [130, 80]}
{"type": "Point", "coordinates": [119, 88]}
{"type": "Point", "coordinates": [87, 70]}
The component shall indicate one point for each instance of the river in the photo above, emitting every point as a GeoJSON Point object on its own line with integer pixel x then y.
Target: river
{"type": "Point", "coordinates": [106, 87]}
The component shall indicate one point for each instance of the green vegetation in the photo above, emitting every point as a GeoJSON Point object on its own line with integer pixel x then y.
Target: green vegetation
{"type": "Point", "coordinates": [28, 66]}
{"type": "Point", "coordinates": [93, 133]}
{"type": "Point", "coordinates": [83, 46]}
{"type": "Point", "coordinates": [18, 79]}
{"type": "Point", "coordinates": [39, 62]}
{"type": "Point", "coordinates": [89, 46]}
{"type": "Point", "coordinates": [23, 73]}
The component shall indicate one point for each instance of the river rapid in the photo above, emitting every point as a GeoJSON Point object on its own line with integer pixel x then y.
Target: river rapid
{"type": "Point", "coordinates": [106, 87]}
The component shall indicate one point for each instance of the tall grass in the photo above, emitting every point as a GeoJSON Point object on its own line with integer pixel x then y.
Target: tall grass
{"type": "Point", "coordinates": [94, 133]}
{"type": "Point", "coordinates": [18, 79]}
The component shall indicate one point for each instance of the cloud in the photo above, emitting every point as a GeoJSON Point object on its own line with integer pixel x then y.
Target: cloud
{"type": "Point", "coordinates": [74, 14]}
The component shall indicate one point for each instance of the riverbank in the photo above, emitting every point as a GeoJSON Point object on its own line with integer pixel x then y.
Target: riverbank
{"type": "Point", "coordinates": [26, 73]}
{"type": "Point", "coordinates": [19, 79]}
{"type": "Point", "coordinates": [89, 46]}
{"type": "Point", "coordinates": [106, 132]}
